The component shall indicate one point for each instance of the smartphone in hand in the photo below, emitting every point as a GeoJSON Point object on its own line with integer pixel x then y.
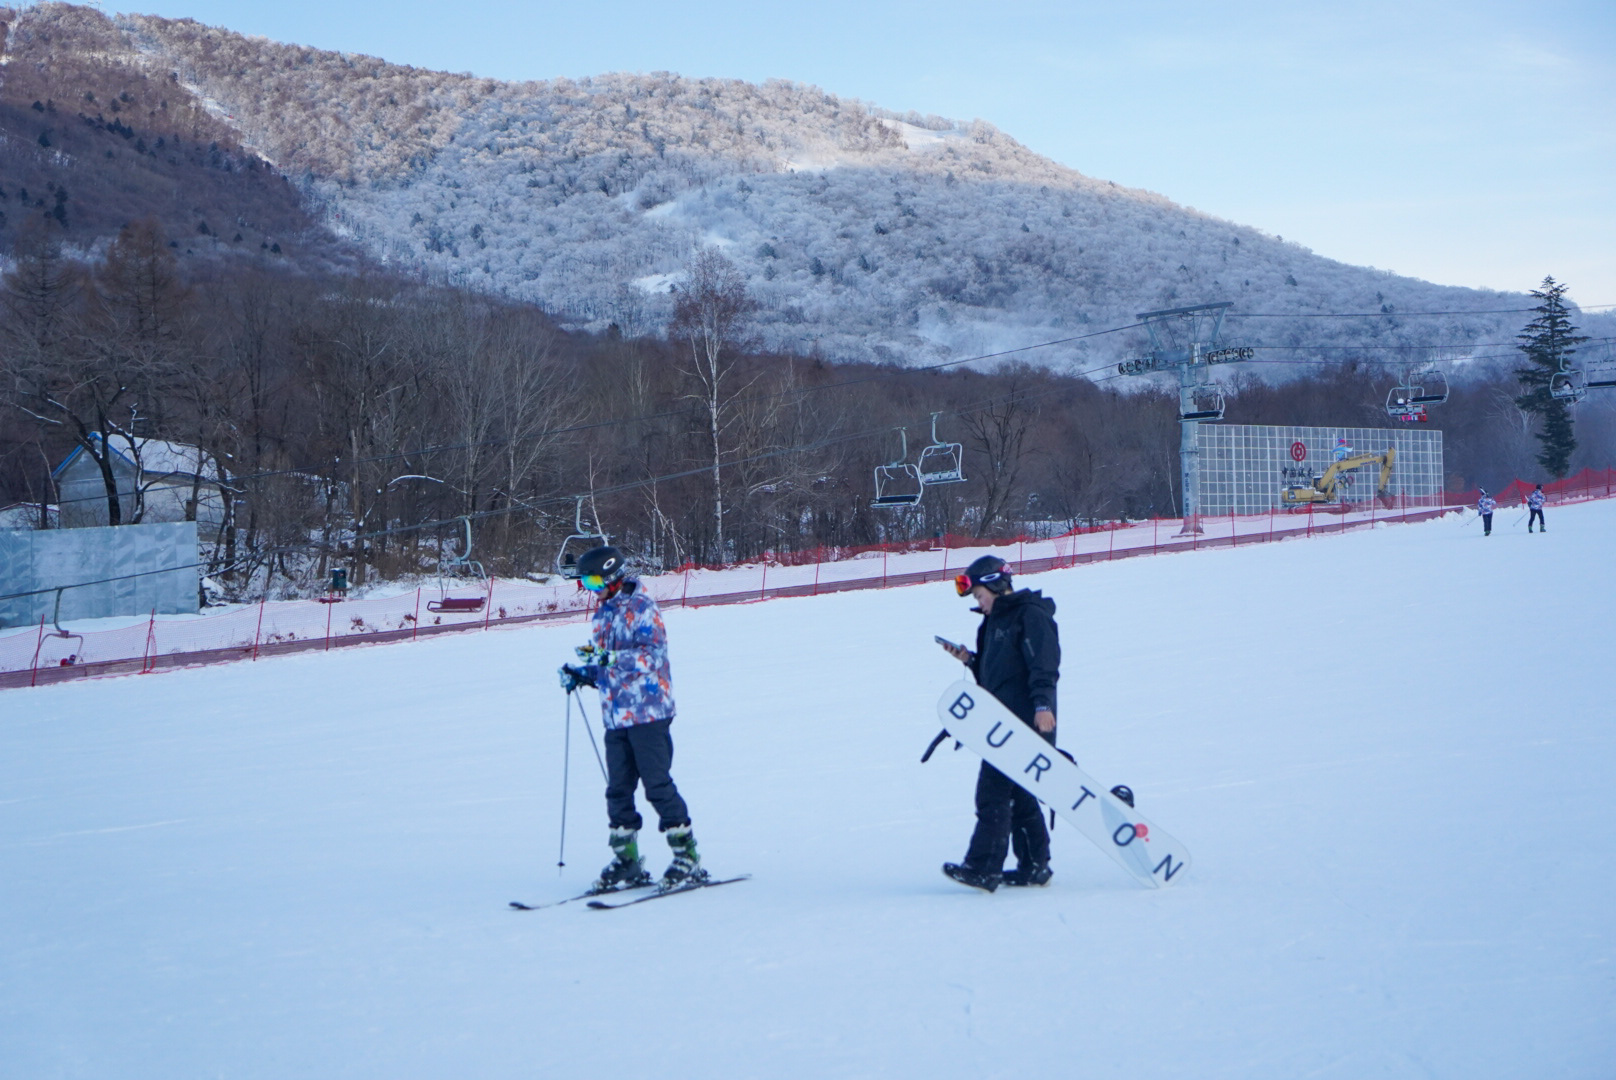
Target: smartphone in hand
{"type": "Point", "coordinates": [958, 652]}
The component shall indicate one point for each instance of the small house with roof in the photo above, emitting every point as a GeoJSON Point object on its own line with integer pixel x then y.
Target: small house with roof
{"type": "Point", "coordinates": [176, 482]}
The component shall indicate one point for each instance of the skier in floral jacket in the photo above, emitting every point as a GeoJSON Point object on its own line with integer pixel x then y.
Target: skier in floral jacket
{"type": "Point", "coordinates": [628, 662]}
{"type": "Point", "coordinates": [1534, 503]}
{"type": "Point", "coordinates": [1485, 507]}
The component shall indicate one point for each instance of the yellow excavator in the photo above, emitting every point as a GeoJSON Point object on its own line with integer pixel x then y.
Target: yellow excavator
{"type": "Point", "coordinates": [1323, 488]}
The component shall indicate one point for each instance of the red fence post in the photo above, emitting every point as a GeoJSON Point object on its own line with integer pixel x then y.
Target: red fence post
{"type": "Point", "coordinates": [819, 557]}
{"type": "Point", "coordinates": [260, 630]}
{"type": "Point", "coordinates": [150, 655]}
{"type": "Point", "coordinates": [33, 675]}
{"type": "Point", "coordinates": [684, 597]}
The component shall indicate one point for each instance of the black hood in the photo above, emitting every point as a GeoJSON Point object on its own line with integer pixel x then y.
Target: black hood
{"type": "Point", "coordinates": [1024, 596]}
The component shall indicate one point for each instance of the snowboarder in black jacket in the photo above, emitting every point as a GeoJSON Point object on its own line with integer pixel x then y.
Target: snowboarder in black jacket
{"type": "Point", "coordinates": [1017, 660]}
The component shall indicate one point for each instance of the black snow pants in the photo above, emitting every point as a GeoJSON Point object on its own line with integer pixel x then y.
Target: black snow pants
{"type": "Point", "coordinates": [1486, 524]}
{"type": "Point", "coordinates": [1008, 817]}
{"type": "Point", "coordinates": [636, 753]}
{"type": "Point", "coordinates": [1537, 516]}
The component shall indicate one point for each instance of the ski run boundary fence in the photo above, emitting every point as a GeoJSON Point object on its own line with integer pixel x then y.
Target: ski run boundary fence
{"type": "Point", "coordinates": [36, 656]}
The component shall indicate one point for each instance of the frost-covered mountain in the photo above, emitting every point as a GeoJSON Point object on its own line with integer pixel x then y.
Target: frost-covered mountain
{"type": "Point", "coordinates": [865, 235]}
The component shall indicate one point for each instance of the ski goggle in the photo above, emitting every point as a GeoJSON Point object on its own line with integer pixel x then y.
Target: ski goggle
{"type": "Point", "coordinates": [963, 583]}
{"type": "Point", "coordinates": [593, 582]}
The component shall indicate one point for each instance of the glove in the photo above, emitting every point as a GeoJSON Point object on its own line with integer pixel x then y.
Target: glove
{"type": "Point", "coordinates": [594, 654]}
{"type": "Point", "coordinates": [573, 677]}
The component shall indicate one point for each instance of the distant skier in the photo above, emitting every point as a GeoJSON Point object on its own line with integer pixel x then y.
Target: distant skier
{"type": "Point", "coordinates": [1485, 507]}
{"type": "Point", "coordinates": [628, 663]}
{"type": "Point", "coordinates": [1017, 660]}
{"type": "Point", "coordinates": [1535, 502]}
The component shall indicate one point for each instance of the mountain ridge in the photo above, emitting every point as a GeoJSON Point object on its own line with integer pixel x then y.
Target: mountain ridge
{"type": "Point", "coordinates": [864, 234]}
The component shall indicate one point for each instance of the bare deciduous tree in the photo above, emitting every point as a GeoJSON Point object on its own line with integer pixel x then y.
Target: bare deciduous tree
{"type": "Point", "coordinates": [710, 316]}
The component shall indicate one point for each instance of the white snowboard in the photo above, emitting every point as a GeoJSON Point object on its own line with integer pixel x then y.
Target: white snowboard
{"type": "Point", "coordinates": [1011, 745]}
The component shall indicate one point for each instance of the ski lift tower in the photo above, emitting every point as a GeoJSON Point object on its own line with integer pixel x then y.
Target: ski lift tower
{"type": "Point", "coordinates": [1186, 339]}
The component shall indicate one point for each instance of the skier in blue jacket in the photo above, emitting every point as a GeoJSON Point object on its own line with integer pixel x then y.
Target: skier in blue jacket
{"type": "Point", "coordinates": [628, 663]}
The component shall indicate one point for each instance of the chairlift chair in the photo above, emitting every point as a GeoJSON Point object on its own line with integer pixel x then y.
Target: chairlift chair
{"type": "Point", "coordinates": [66, 635]}
{"type": "Point", "coordinates": [1403, 403]}
{"type": "Point", "coordinates": [582, 540]}
{"type": "Point", "coordinates": [941, 463]}
{"type": "Point", "coordinates": [898, 483]}
{"type": "Point", "coordinates": [452, 568]}
{"type": "Point", "coordinates": [1206, 403]}
{"type": "Point", "coordinates": [1601, 375]}
{"type": "Point", "coordinates": [1432, 388]}
{"type": "Point", "coordinates": [1569, 385]}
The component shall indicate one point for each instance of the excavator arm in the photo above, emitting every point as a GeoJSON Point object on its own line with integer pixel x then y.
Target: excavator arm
{"type": "Point", "coordinates": [1323, 489]}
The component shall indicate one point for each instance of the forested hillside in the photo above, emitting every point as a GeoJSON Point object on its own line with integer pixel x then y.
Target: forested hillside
{"type": "Point", "coordinates": [863, 235]}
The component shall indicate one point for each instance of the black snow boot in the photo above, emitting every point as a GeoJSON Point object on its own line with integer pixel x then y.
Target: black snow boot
{"type": "Point", "coordinates": [1036, 874]}
{"type": "Point", "coordinates": [976, 879]}
{"type": "Point", "coordinates": [627, 871]}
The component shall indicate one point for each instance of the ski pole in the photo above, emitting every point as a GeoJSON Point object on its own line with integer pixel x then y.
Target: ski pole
{"type": "Point", "coordinates": [582, 712]}
{"type": "Point", "coordinates": [566, 755]}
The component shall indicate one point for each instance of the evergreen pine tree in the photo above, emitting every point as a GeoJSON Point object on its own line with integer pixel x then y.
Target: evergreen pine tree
{"type": "Point", "coordinates": [1549, 341]}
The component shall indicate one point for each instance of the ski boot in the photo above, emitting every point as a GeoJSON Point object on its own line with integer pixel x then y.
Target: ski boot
{"type": "Point", "coordinates": [686, 866]}
{"type": "Point", "coordinates": [1036, 874]}
{"type": "Point", "coordinates": [976, 879]}
{"type": "Point", "coordinates": [627, 871]}
{"type": "Point", "coordinates": [1123, 792]}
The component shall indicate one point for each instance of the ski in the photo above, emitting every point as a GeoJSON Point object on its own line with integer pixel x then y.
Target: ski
{"type": "Point", "coordinates": [517, 905]}
{"type": "Point", "coordinates": [978, 719]}
{"type": "Point", "coordinates": [601, 905]}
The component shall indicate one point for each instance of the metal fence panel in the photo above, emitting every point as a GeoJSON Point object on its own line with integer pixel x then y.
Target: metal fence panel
{"type": "Point", "coordinates": [53, 558]}
{"type": "Point", "coordinates": [1243, 466]}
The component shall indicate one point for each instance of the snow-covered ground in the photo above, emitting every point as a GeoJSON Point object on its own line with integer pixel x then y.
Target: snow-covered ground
{"type": "Point", "coordinates": [1390, 753]}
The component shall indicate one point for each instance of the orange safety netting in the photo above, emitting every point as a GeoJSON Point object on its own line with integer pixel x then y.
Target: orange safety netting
{"type": "Point", "coordinates": [39, 654]}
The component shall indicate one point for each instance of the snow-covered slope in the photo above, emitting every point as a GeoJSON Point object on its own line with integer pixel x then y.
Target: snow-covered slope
{"type": "Point", "coordinates": [1388, 751]}
{"type": "Point", "coordinates": [863, 234]}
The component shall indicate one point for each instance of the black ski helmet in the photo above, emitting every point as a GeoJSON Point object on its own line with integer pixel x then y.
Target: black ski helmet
{"type": "Point", "coordinates": [604, 562]}
{"type": "Point", "coordinates": [989, 571]}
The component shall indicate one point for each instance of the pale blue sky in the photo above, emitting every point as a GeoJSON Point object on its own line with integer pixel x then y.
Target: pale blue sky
{"type": "Point", "coordinates": [1469, 143]}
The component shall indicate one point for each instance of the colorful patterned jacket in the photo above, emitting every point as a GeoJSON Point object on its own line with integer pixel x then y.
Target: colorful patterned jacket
{"type": "Point", "coordinates": [1535, 500]}
{"type": "Point", "coordinates": [1486, 504]}
{"type": "Point", "coordinates": [637, 686]}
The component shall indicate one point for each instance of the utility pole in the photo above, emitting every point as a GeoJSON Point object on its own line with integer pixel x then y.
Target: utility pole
{"type": "Point", "coordinates": [1185, 339]}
